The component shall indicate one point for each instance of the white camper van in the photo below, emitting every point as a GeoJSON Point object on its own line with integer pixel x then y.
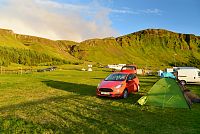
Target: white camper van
{"type": "Point", "coordinates": [188, 74]}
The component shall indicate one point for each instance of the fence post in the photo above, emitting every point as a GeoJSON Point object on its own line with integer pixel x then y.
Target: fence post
{"type": "Point", "coordinates": [1, 69]}
{"type": "Point", "coordinates": [21, 70]}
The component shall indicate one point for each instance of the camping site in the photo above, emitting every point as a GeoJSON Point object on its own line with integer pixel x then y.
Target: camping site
{"type": "Point", "coordinates": [99, 66]}
{"type": "Point", "coordinates": [65, 101]}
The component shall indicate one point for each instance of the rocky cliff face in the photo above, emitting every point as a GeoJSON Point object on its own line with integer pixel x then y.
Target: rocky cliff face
{"type": "Point", "coordinates": [6, 32]}
{"type": "Point", "coordinates": [26, 39]}
{"type": "Point", "coordinates": [161, 37]}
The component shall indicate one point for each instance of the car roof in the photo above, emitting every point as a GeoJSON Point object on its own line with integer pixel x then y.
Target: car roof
{"type": "Point", "coordinates": [129, 71]}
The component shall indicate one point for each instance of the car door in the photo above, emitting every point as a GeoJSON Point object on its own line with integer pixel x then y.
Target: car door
{"type": "Point", "coordinates": [136, 83]}
{"type": "Point", "coordinates": [130, 83]}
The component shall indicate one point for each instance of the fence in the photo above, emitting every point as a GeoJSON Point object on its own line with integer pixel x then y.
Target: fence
{"type": "Point", "coordinates": [20, 70]}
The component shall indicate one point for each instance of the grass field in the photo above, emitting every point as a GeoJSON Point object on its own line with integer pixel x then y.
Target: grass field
{"type": "Point", "coordinates": [64, 101]}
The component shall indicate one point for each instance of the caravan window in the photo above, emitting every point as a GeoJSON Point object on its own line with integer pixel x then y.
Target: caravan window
{"type": "Point", "coordinates": [198, 73]}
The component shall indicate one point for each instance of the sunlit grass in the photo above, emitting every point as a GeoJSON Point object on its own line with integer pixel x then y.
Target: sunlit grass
{"type": "Point", "coordinates": [64, 101]}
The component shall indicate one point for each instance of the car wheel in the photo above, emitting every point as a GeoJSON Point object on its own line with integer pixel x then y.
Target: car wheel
{"type": "Point", "coordinates": [125, 93]}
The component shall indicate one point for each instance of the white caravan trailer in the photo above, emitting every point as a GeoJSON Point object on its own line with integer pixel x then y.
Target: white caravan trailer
{"type": "Point", "coordinates": [188, 74]}
{"type": "Point", "coordinates": [116, 67]}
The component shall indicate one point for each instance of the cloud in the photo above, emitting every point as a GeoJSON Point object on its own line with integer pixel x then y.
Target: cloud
{"type": "Point", "coordinates": [137, 12]}
{"type": "Point", "coordinates": [53, 20]}
{"type": "Point", "coordinates": [124, 11]}
{"type": "Point", "coordinates": [152, 11]}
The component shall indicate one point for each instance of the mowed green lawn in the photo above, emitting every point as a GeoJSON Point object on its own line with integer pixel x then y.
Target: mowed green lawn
{"type": "Point", "coordinates": [64, 101]}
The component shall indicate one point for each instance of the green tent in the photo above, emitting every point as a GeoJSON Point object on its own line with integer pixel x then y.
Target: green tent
{"type": "Point", "coordinates": [165, 93]}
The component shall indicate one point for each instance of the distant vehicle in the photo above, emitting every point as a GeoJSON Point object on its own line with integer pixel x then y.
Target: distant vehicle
{"type": "Point", "coordinates": [169, 70]}
{"type": "Point", "coordinates": [129, 68]}
{"type": "Point", "coordinates": [168, 75]}
{"type": "Point", "coordinates": [51, 68]}
{"type": "Point", "coordinates": [119, 84]}
{"type": "Point", "coordinates": [188, 74]}
{"type": "Point", "coordinates": [116, 67]}
{"type": "Point", "coordinates": [47, 69]}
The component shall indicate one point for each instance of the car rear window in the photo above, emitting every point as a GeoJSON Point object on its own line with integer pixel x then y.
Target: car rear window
{"type": "Point", "coordinates": [129, 68]}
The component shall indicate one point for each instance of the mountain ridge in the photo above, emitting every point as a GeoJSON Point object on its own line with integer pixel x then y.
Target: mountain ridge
{"type": "Point", "coordinates": [152, 47]}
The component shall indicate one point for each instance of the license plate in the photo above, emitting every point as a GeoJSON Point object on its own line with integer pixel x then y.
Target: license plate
{"type": "Point", "coordinates": [106, 93]}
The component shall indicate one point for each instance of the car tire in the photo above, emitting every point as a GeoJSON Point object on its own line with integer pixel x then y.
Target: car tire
{"type": "Point", "coordinates": [125, 94]}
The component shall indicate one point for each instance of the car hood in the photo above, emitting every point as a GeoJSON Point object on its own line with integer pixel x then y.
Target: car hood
{"type": "Point", "coordinates": [109, 84]}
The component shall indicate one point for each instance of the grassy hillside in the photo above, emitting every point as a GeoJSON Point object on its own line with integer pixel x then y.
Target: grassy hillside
{"type": "Point", "coordinates": [27, 57]}
{"type": "Point", "coordinates": [151, 47]}
{"type": "Point", "coordinates": [8, 39]}
{"type": "Point", "coordinates": [146, 48]}
{"type": "Point", "coordinates": [58, 49]}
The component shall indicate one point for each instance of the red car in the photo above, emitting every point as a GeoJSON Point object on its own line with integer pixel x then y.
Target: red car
{"type": "Point", "coordinates": [119, 84]}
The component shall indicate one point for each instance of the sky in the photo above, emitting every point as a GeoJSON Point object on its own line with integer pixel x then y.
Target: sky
{"type": "Point", "coordinates": [79, 20]}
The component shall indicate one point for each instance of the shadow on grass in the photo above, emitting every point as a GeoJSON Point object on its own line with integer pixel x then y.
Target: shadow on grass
{"type": "Point", "coordinates": [81, 89]}
{"type": "Point", "coordinates": [96, 78]}
{"type": "Point", "coordinates": [132, 98]}
{"type": "Point", "coordinates": [64, 114]}
{"type": "Point", "coordinates": [88, 90]}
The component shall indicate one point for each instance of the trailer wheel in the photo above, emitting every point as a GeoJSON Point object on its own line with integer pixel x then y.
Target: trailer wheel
{"type": "Point", "coordinates": [183, 82]}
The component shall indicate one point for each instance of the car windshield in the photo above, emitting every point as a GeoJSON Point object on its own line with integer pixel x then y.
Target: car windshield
{"type": "Point", "coordinates": [116, 77]}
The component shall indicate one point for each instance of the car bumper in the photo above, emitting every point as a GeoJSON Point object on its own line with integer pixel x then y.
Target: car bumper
{"type": "Point", "coordinates": [109, 94]}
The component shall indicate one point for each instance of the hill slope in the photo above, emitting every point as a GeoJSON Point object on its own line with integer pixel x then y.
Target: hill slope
{"type": "Point", "coordinates": [58, 49]}
{"type": "Point", "coordinates": [31, 50]}
{"type": "Point", "coordinates": [151, 47]}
